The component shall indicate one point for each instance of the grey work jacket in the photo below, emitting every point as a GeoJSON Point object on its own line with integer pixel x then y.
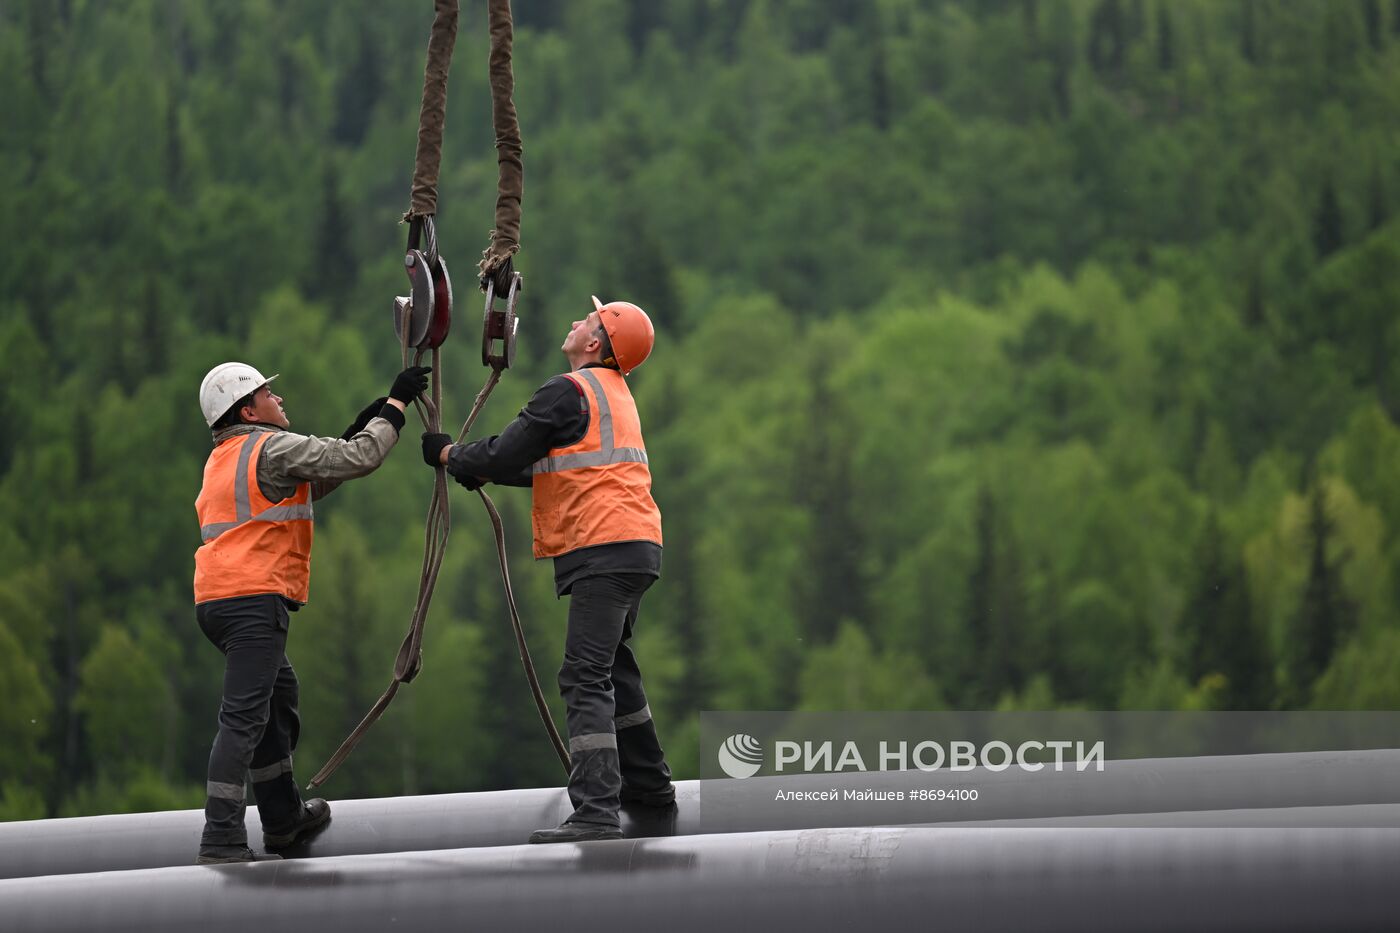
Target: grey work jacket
{"type": "Point", "coordinates": [289, 459]}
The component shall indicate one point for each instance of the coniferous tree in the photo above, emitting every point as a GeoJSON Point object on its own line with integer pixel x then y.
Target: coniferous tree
{"type": "Point", "coordinates": [1328, 236]}
{"type": "Point", "coordinates": [1249, 31]}
{"type": "Point", "coordinates": [1254, 311]}
{"type": "Point", "coordinates": [1219, 635]}
{"type": "Point", "coordinates": [1135, 21]}
{"type": "Point", "coordinates": [693, 686]}
{"type": "Point", "coordinates": [985, 677]}
{"type": "Point", "coordinates": [642, 17]}
{"type": "Point", "coordinates": [728, 25]}
{"type": "Point", "coordinates": [154, 340]}
{"type": "Point", "coordinates": [124, 701]}
{"type": "Point", "coordinates": [40, 40]}
{"type": "Point", "coordinates": [358, 92]}
{"type": "Point", "coordinates": [1107, 38]}
{"type": "Point", "coordinates": [511, 716]}
{"type": "Point", "coordinates": [331, 274]}
{"type": "Point", "coordinates": [1166, 39]}
{"type": "Point", "coordinates": [847, 12]}
{"type": "Point", "coordinates": [995, 608]}
{"type": "Point", "coordinates": [1375, 29]}
{"type": "Point", "coordinates": [67, 657]}
{"type": "Point", "coordinates": [1060, 48]}
{"type": "Point", "coordinates": [1030, 21]}
{"type": "Point", "coordinates": [25, 705]}
{"type": "Point", "coordinates": [879, 76]}
{"type": "Point", "coordinates": [1325, 616]}
{"type": "Point", "coordinates": [834, 588]}
{"type": "Point", "coordinates": [642, 268]}
{"type": "Point", "coordinates": [174, 150]}
{"type": "Point", "coordinates": [1341, 41]}
{"type": "Point", "coordinates": [682, 571]}
{"type": "Point", "coordinates": [1377, 210]}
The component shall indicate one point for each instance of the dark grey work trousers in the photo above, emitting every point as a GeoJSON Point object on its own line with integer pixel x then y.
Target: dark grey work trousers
{"type": "Point", "coordinates": [612, 739]}
{"type": "Point", "coordinates": [258, 721]}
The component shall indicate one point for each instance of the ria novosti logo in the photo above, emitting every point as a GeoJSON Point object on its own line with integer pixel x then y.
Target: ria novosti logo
{"type": "Point", "coordinates": [741, 756]}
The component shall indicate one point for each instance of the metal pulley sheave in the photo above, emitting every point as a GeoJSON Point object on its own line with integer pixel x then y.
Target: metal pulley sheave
{"type": "Point", "coordinates": [427, 309]}
{"type": "Point", "coordinates": [499, 325]}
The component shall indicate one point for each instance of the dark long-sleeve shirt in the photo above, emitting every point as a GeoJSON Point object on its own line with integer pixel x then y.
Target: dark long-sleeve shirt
{"type": "Point", "coordinates": [555, 416]}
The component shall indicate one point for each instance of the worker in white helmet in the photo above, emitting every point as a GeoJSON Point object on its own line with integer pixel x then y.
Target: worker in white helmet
{"type": "Point", "coordinates": [252, 570]}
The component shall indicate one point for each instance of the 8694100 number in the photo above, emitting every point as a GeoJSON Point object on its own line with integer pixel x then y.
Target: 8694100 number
{"type": "Point", "coordinates": [943, 794]}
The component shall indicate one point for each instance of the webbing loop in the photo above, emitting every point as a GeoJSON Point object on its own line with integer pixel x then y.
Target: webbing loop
{"type": "Point", "coordinates": [510, 189]}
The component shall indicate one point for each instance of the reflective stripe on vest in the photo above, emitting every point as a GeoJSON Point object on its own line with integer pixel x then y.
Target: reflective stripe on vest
{"type": "Point", "coordinates": [251, 545]}
{"type": "Point", "coordinates": [278, 513]}
{"type": "Point", "coordinates": [607, 454]}
{"type": "Point", "coordinates": [598, 489]}
{"type": "Point", "coordinates": [243, 510]}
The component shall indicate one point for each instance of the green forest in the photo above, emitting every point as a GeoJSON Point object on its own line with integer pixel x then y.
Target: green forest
{"type": "Point", "coordinates": [1011, 354]}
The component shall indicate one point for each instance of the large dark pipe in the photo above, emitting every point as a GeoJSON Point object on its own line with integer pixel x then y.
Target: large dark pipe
{"type": "Point", "coordinates": [857, 879]}
{"type": "Point", "coordinates": [1329, 780]}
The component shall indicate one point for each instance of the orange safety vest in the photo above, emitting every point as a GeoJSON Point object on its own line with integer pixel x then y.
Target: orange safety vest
{"type": "Point", "coordinates": [252, 545]}
{"type": "Point", "coordinates": [597, 491]}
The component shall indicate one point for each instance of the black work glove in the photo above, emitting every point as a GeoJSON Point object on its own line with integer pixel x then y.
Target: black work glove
{"type": "Point", "coordinates": [410, 383]}
{"type": "Point", "coordinates": [364, 418]}
{"type": "Point", "coordinates": [469, 483]}
{"type": "Point", "coordinates": [432, 447]}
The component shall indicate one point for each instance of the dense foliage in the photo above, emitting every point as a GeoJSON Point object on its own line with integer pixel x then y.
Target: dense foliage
{"type": "Point", "coordinates": [1012, 353]}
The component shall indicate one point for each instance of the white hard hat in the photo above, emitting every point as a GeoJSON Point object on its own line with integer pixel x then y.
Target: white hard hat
{"type": "Point", "coordinates": [226, 384]}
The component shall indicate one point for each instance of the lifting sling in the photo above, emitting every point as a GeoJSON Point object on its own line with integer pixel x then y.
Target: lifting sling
{"type": "Point", "coordinates": [422, 320]}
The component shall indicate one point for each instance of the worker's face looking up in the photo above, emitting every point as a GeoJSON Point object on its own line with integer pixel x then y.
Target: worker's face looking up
{"type": "Point", "coordinates": [581, 340]}
{"type": "Point", "coordinates": [266, 409]}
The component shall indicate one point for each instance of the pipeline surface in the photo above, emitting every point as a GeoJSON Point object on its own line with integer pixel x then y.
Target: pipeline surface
{"type": "Point", "coordinates": [1324, 788]}
{"type": "Point", "coordinates": [827, 879]}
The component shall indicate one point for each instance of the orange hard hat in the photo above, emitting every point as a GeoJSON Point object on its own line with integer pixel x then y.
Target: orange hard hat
{"type": "Point", "coordinates": [630, 331]}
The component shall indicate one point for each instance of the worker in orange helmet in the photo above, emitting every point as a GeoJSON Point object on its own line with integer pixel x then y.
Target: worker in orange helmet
{"type": "Point", "coordinates": [578, 444]}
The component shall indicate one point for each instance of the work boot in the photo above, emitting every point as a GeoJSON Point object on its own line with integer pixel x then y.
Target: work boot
{"type": "Point", "coordinates": [313, 815]}
{"type": "Point", "coordinates": [225, 855]}
{"type": "Point", "coordinates": [569, 831]}
{"type": "Point", "coordinates": [650, 798]}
